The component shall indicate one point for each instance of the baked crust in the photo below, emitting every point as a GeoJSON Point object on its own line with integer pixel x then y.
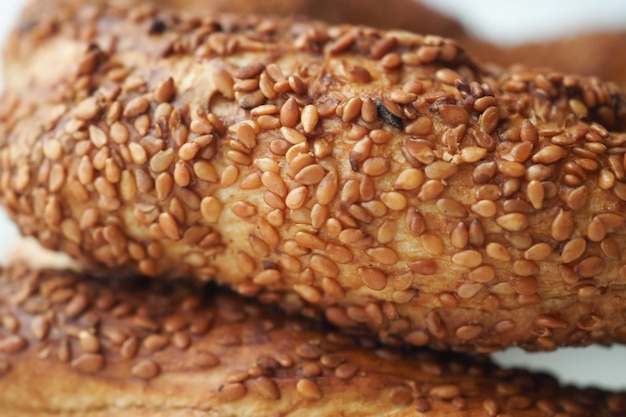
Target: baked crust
{"type": "Point", "coordinates": [385, 180]}
{"type": "Point", "coordinates": [72, 345]}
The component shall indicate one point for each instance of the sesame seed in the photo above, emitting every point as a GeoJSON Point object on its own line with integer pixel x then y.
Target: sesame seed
{"type": "Point", "coordinates": [275, 202]}
{"type": "Point", "coordinates": [469, 332]}
{"type": "Point", "coordinates": [538, 251]}
{"type": "Point", "coordinates": [468, 258]}
{"type": "Point", "coordinates": [267, 277]}
{"type": "Point", "coordinates": [40, 327]}
{"type": "Point", "coordinates": [610, 249]}
{"type": "Point", "coordinates": [211, 209]}
{"type": "Point", "coordinates": [163, 186]}
{"type": "Point", "coordinates": [590, 267]}
{"type": "Point", "coordinates": [289, 114]}
{"type": "Point", "coordinates": [415, 223]}
{"type": "Point", "coordinates": [88, 363]}
{"type": "Point", "coordinates": [165, 90]}
{"type": "Point", "coordinates": [308, 293]}
{"type": "Point", "coordinates": [352, 109]}
{"type": "Point", "coordinates": [266, 387]}
{"type": "Point", "coordinates": [310, 175]}
{"type": "Point", "coordinates": [612, 221]}
{"type": "Point", "coordinates": [232, 392]}
{"type": "Point", "coordinates": [485, 208]}
{"type": "Point", "coordinates": [423, 266]}
{"type": "Point", "coordinates": [519, 402]}
{"type": "Point", "coordinates": [453, 115]}
{"type": "Point", "coordinates": [497, 251]}
{"type": "Point", "coordinates": [324, 266]}
{"type": "Point", "coordinates": [375, 166]}
{"type": "Point", "coordinates": [550, 322]}
{"type": "Point", "coordinates": [525, 268]}
{"type": "Point", "coordinates": [447, 76]}
{"type": "Point", "coordinates": [296, 197]}
{"type": "Point", "coordinates": [308, 240]}
{"type": "Point", "coordinates": [309, 118]}
{"type": "Point", "coordinates": [513, 222]}
{"type": "Point", "coordinates": [266, 86]}
{"type": "Point", "coordinates": [430, 190]}
{"type": "Point", "coordinates": [12, 344]}
{"type": "Point", "coordinates": [292, 135]}
{"type": "Point", "coordinates": [383, 255]}
{"type": "Point", "coordinates": [445, 392]}
{"type": "Point", "coordinates": [342, 43]}
{"type": "Point", "coordinates": [488, 120]}
{"type": "Point", "coordinates": [373, 278]}
{"type": "Point", "coordinates": [89, 342]}
{"type": "Point", "coordinates": [309, 389]}
{"type": "Point", "coordinates": [136, 106]}
{"type": "Point", "coordinates": [596, 231]}
{"type": "Point", "coordinates": [77, 305]}
{"type": "Point", "coordinates": [87, 109]}
{"type": "Point", "coordinates": [432, 244]}
{"type": "Point", "coordinates": [562, 226]}
{"type": "Point", "coordinates": [451, 208]}
{"type": "Point", "coordinates": [524, 285]}
{"type": "Point", "coordinates": [360, 152]}
{"type": "Point", "coordinates": [369, 112]}
{"type": "Point", "coordinates": [223, 82]}
{"type": "Point", "coordinates": [394, 200]}
{"type": "Point", "coordinates": [549, 155]}
{"type": "Point", "coordinates": [145, 369]}
{"type": "Point", "coordinates": [246, 85]}
{"type": "Point", "coordinates": [459, 236]}
{"type": "Point", "coordinates": [268, 233]}
{"type": "Point", "coordinates": [512, 169]}
{"type": "Point", "coordinates": [251, 182]}
{"type": "Point", "coordinates": [169, 226]}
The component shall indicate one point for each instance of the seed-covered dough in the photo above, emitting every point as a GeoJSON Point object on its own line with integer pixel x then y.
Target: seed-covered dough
{"type": "Point", "coordinates": [73, 346]}
{"type": "Point", "coordinates": [385, 180]}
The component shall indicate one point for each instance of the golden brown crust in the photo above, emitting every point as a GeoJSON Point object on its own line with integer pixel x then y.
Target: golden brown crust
{"type": "Point", "coordinates": [383, 179]}
{"type": "Point", "coordinates": [77, 346]}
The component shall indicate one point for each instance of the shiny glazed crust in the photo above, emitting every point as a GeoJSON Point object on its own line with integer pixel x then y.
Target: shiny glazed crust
{"type": "Point", "coordinates": [385, 180]}
{"type": "Point", "coordinates": [71, 345]}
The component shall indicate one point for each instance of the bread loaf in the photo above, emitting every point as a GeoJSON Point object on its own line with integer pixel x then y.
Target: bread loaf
{"type": "Point", "coordinates": [72, 345]}
{"type": "Point", "coordinates": [384, 179]}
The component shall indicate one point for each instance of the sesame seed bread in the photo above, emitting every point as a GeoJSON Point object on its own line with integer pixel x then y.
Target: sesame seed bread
{"type": "Point", "coordinates": [383, 179]}
{"type": "Point", "coordinates": [72, 345]}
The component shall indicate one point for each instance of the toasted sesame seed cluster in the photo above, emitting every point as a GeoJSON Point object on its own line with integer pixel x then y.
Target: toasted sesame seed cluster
{"type": "Point", "coordinates": [137, 347]}
{"type": "Point", "coordinates": [382, 179]}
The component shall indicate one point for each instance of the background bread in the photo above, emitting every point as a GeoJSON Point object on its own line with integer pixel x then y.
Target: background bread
{"type": "Point", "coordinates": [590, 53]}
{"type": "Point", "coordinates": [72, 345]}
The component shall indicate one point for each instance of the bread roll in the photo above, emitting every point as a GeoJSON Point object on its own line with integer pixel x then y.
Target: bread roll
{"type": "Point", "coordinates": [77, 346]}
{"type": "Point", "coordinates": [385, 180]}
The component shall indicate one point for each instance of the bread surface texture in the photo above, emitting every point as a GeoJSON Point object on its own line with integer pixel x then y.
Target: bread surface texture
{"type": "Point", "coordinates": [385, 180]}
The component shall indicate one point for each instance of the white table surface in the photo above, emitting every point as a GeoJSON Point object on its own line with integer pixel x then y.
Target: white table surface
{"type": "Point", "coordinates": [505, 22]}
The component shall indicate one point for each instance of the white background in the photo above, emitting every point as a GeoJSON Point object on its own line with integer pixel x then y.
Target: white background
{"type": "Point", "coordinates": [507, 22]}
